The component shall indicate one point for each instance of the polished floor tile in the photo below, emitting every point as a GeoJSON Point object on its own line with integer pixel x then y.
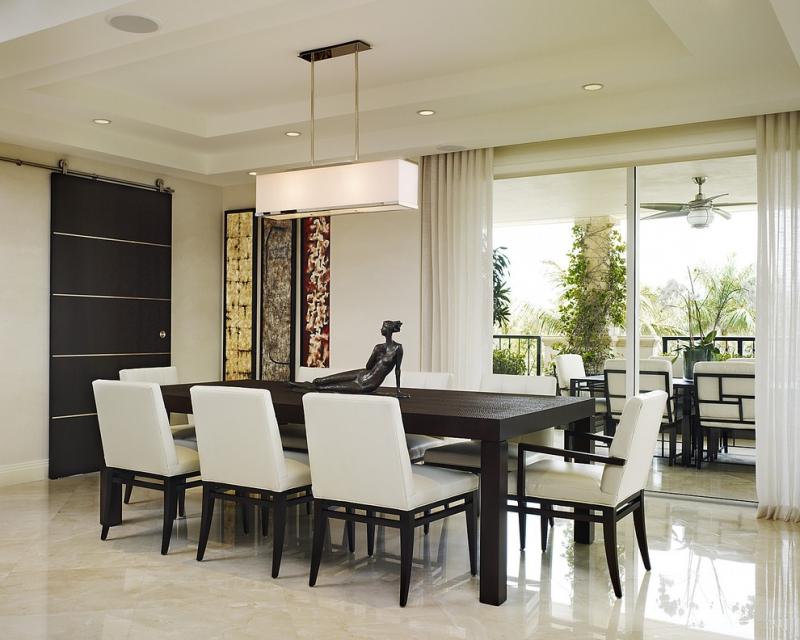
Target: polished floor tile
{"type": "Point", "coordinates": [717, 573]}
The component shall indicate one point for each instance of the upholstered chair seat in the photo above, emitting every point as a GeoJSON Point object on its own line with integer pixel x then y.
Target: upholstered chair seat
{"type": "Point", "coordinates": [361, 470]}
{"type": "Point", "coordinates": [244, 461]}
{"type": "Point", "coordinates": [138, 443]}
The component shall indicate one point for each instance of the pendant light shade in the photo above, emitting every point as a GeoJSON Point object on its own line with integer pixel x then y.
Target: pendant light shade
{"type": "Point", "coordinates": [385, 185]}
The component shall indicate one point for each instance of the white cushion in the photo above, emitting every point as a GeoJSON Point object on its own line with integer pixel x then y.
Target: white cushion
{"type": "Point", "coordinates": [468, 453]}
{"type": "Point", "coordinates": [420, 380]}
{"type": "Point", "coordinates": [431, 484]}
{"type": "Point", "coordinates": [239, 442]}
{"type": "Point", "coordinates": [530, 385]}
{"type": "Point", "coordinates": [418, 444]}
{"type": "Point", "coordinates": [188, 460]}
{"type": "Point", "coordinates": [555, 479]}
{"type": "Point", "coordinates": [159, 375]}
{"type": "Point", "coordinates": [568, 366]}
{"type": "Point", "coordinates": [298, 471]}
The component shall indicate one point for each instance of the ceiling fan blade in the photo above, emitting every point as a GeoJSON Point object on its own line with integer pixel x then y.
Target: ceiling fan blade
{"type": "Point", "coordinates": [736, 204]}
{"type": "Point", "coordinates": [666, 214]}
{"type": "Point", "coordinates": [721, 212]}
{"type": "Point", "coordinates": [663, 206]}
{"type": "Point", "coordinates": [719, 195]}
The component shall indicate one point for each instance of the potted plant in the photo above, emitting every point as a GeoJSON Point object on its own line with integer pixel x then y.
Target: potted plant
{"type": "Point", "coordinates": [701, 349]}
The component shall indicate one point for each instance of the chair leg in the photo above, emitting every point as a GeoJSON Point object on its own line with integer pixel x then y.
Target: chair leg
{"type": "Point", "coordinates": [264, 516]}
{"type": "Point", "coordinates": [205, 521]}
{"type": "Point", "coordinates": [244, 508]}
{"type": "Point", "coordinates": [182, 501]}
{"type": "Point", "coordinates": [610, 539]}
{"type": "Point", "coordinates": [170, 513]}
{"type": "Point", "coordinates": [350, 527]}
{"type": "Point", "coordinates": [544, 521]}
{"type": "Point", "coordinates": [641, 532]}
{"type": "Point", "coordinates": [406, 554]}
{"type": "Point", "coordinates": [522, 517]}
{"type": "Point", "coordinates": [427, 526]}
{"type": "Point", "coordinates": [370, 534]}
{"type": "Point", "coordinates": [699, 457]}
{"type": "Point", "coordinates": [278, 531]}
{"type": "Point", "coordinates": [320, 528]}
{"type": "Point", "coordinates": [128, 493]}
{"type": "Point", "coordinates": [673, 446]}
{"type": "Point", "coordinates": [472, 532]}
{"type": "Point", "coordinates": [110, 504]}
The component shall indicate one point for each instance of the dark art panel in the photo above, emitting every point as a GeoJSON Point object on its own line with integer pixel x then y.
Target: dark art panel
{"type": "Point", "coordinates": [277, 299]}
{"type": "Point", "coordinates": [316, 292]}
{"type": "Point", "coordinates": [240, 290]}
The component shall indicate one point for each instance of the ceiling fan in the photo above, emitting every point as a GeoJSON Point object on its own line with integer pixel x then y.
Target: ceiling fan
{"type": "Point", "coordinates": [699, 212]}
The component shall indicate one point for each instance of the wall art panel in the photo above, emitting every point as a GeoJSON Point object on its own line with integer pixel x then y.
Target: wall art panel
{"type": "Point", "coordinates": [316, 292]}
{"type": "Point", "coordinates": [277, 299]}
{"type": "Point", "coordinates": [239, 338]}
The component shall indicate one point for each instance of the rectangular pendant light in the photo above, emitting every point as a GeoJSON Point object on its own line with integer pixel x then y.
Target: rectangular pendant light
{"type": "Point", "coordinates": [385, 185]}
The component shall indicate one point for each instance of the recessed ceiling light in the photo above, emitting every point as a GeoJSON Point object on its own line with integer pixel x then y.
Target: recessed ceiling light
{"type": "Point", "coordinates": [592, 86]}
{"type": "Point", "coordinates": [101, 121]}
{"type": "Point", "coordinates": [133, 24]}
{"type": "Point", "coordinates": [252, 173]}
{"type": "Point", "coordinates": [425, 112]}
{"type": "Point", "coordinates": [292, 134]}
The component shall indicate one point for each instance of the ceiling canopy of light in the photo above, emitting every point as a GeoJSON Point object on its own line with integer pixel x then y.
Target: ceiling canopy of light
{"type": "Point", "coordinates": [386, 185]}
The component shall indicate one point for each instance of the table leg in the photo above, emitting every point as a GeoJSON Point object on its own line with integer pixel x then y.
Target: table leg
{"type": "Point", "coordinates": [584, 531]}
{"type": "Point", "coordinates": [494, 524]}
{"type": "Point", "coordinates": [687, 439]}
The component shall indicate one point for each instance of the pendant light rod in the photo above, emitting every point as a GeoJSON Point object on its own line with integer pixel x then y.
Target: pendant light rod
{"type": "Point", "coordinates": [353, 47]}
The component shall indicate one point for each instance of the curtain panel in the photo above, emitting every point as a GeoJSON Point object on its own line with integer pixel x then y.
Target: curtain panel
{"type": "Point", "coordinates": [457, 264]}
{"type": "Point", "coordinates": [778, 317]}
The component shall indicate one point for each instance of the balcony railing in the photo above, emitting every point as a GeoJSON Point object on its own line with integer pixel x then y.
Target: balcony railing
{"type": "Point", "coordinates": [744, 346]}
{"type": "Point", "coordinates": [529, 346]}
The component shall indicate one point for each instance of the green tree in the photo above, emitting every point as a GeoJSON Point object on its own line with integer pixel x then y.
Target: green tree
{"type": "Point", "coordinates": [501, 312]}
{"type": "Point", "coordinates": [593, 298]}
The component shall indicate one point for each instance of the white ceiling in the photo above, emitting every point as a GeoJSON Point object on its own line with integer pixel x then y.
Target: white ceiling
{"type": "Point", "coordinates": [212, 92]}
{"type": "Point", "coordinates": [584, 194]}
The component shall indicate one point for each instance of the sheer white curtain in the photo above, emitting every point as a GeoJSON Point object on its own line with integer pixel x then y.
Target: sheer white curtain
{"type": "Point", "coordinates": [778, 318]}
{"type": "Point", "coordinates": [457, 264]}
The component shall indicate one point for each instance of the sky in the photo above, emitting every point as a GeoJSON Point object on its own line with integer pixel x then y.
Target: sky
{"type": "Point", "coordinates": [668, 247]}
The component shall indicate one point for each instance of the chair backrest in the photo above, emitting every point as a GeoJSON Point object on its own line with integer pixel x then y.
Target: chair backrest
{"type": "Point", "coordinates": [134, 427]}
{"type": "Point", "coordinates": [159, 375]}
{"type": "Point", "coordinates": [675, 361]}
{"type": "Point", "coordinates": [237, 437]}
{"type": "Point", "coordinates": [753, 360]}
{"type": "Point", "coordinates": [654, 375]}
{"type": "Point", "coordinates": [568, 366]}
{"type": "Point", "coordinates": [634, 440]}
{"type": "Point", "coordinates": [725, 393]}
{"type": "Point", "coordinates": [531, 385]}
{"type": "Point", "coordinates": [357, 449]}
{"type": "Point", "coordinates": [420, 380]}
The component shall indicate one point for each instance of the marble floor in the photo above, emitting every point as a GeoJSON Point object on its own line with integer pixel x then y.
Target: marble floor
{"type": "Point", "coordinates": [717, 573]}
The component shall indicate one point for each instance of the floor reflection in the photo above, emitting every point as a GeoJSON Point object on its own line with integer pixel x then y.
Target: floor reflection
{"type": "Point", "coordinates": [717, 573]}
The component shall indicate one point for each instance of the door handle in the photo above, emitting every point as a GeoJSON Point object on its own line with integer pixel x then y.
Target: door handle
{"type": "Point", "coordinates": [162, 334]}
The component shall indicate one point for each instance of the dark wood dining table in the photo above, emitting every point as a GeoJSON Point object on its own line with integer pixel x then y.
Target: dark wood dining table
{"type": "Point", "coordinates": [491, 418]}
{"type": "Point", "coordinates": [683, 387]}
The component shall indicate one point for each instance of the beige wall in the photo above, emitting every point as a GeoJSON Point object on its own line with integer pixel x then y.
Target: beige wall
{"type": "Point", "coordinates": [24, 292]}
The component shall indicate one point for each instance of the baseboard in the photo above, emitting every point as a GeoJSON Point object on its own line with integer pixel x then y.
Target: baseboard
{"type": "Point", "coordinates": [23, 472]}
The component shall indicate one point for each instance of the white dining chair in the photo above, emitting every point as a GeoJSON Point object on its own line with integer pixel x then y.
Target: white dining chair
{"type": "Point", "coordinates": [595, 493]}
{"type": "Point", "coordinates": [360, 463]}
{"type": "Point", "coordinates": [654, 374]}
{"type": "Point", "coordinates": [466, 455]}
{"type": "Point", "coordinates": [181, 425]}
{"type": "Point", "coordinates": [569, 366]}
{"type": "Point", "coordinates": [241, 455]}
{"type": "Point", "coordinates": [725, 399]}
{"type": "Point", "coordinates": [676, 361]}
{"type": "Point", "coordinates": [138, 443]}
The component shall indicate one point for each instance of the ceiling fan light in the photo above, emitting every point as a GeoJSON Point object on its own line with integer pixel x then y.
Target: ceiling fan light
{"type": "Point", "coordinates": [700, 217]}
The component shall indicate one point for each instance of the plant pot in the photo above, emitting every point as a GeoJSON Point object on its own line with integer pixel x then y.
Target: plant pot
{"type": "Point", "coordinates": [692, 356]}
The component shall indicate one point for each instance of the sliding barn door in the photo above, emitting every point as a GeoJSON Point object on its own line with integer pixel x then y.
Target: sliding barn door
{"type": "Point", "coordinates": [110, 281]}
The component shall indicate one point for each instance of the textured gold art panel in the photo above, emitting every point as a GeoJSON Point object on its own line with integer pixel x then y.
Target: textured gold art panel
{"type": "Point", "coordinates": [239, 295]}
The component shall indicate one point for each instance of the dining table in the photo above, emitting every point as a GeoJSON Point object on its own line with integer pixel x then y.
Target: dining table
{"type": "Point", "coordinates": [491, 418]}
{"type": "Point", "coordinates": [681, 387]}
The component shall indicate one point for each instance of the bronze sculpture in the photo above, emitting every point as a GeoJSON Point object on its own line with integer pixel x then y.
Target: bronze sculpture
{"type": "Point", "coordinates": [385, 356]}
